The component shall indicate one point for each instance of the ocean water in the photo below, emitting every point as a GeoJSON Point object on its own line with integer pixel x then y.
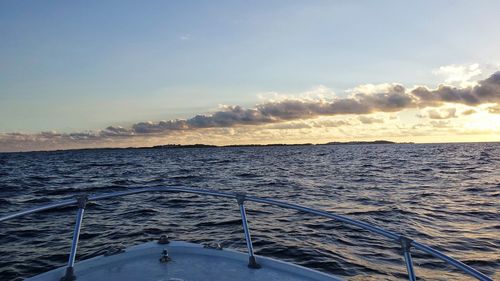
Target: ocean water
{"type": "Point", "coordinates": [445, 195]}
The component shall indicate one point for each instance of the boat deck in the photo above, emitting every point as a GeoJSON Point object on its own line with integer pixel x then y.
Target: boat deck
{"type": "Point", "coordinates": [189, 262]}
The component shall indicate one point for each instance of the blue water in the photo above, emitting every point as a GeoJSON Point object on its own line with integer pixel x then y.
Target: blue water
{"type": "Point", "coordinates": [445, 195]}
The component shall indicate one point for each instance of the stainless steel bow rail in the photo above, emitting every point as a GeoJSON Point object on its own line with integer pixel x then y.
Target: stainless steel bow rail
{"type": "Point", "coordinates": [405, 242]}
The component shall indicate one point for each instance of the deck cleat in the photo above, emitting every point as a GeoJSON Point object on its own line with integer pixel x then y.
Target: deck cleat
{"type": "Point", "coordinates": [164, 256]}
{"type": "Point", "coordinates": [163, 239]}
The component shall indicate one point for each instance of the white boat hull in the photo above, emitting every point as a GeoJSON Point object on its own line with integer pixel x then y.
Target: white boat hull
{"type": "Point", "coordinates": [189, 262]}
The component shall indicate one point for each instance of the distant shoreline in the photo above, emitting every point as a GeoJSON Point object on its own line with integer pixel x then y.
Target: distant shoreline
{"type": "Point", "coordinates": [170, 146]}
{"type": "Point", "coordinates": [178, 146]}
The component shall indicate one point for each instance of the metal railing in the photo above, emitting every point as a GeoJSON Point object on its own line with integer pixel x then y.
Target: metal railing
{"type": "Point", "coordinates": [406, 243]}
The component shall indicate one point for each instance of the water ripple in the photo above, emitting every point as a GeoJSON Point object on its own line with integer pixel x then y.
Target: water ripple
{"type": "Point", "coordinates": [445, 195]}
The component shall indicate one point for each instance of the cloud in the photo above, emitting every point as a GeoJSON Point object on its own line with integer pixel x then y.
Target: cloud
{"type": "Point", "coordinates": [370, 120]}
{"type": "Point", "coordinates": [290, 126]}
{"type": "Point", "coordinates": [112, 131]}
{"type": "Point", "coordinates": [330, 123]}
{"type": "Point", "coordinates": [385, 98]}
{"type": "Point", "coordinates": [185, 37]}
{"type": "Point", "coordinates": [486, 91]}
{"type": "Point", "coordinates": [440, 124]}
{"type": "Point", "coordinates": [393, 99]}
{"type": "Point", "coordinates": [494, 109]}
{"type": "Point", "coordinates": [446, 113]}
{"type": "Point", "coordinates": [469, 112]}
{"type": "Point", "coordinates": [363, 100]}
{"type": "Point", "coordinates": [372, 88]}
{"type": "Point", "coordinates": [458, 73]}
{"type": "Point", "coordinates": [320, 92]}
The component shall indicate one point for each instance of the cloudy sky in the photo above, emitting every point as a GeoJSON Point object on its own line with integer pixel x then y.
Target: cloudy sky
{"type": "Point", "coordinates": [140, 73]}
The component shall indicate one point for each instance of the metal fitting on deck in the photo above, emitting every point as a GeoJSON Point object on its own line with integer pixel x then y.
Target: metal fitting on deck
{"type": "Point", "coordinates": [163, 239]}
{"type": "Point", "coordinates": [69, 275]}
{"type": "Point", "coordinates": [81, 201]}
{"type": "Point", "coordinates": [252, 263]}
{"type": "Point", "coordinates": [164, 258]}
{"type": "Point", "coordinates": [405, 243]}
{"type": "Point", "coordinates": [240, 197]}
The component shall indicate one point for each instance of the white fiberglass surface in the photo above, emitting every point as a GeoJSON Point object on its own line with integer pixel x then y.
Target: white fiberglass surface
{"type": "Point", "coordinates": [189, 262]}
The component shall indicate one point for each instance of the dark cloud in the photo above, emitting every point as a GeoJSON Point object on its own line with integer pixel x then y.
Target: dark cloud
{"type": "Point", "coordinates": [112, 131]}
{"type": "Point", "coordinates": [486, 91]}
{"type": "Point", "coordinates": [150, 127]}
{"type": "Point", "coordinates": [392, 98]}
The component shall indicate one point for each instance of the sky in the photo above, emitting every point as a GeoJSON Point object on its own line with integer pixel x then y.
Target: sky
{"type": "Point", "coordinates": [77, 74]}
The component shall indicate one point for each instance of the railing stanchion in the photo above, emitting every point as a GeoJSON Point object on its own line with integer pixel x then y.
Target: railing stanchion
{"type": "Point", "coordinates": [406, 246]}
{"type": "Point", "coordinates": [252, 263]}
{"type": "Point", "coordinates": [405, 242]}
{"type": "Point", "coordinates": [70, 272]}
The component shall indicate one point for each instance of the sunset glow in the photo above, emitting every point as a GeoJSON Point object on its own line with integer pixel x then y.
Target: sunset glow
{"type": "Point", "coordinates": [64, 86]}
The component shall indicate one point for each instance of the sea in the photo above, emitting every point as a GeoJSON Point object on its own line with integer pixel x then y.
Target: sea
{"type": "Point", "coordinates": [444, 195]}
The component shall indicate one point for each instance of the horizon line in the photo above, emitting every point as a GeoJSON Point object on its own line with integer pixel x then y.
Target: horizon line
{"type": "Point", "coordinates": [203, 145]}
